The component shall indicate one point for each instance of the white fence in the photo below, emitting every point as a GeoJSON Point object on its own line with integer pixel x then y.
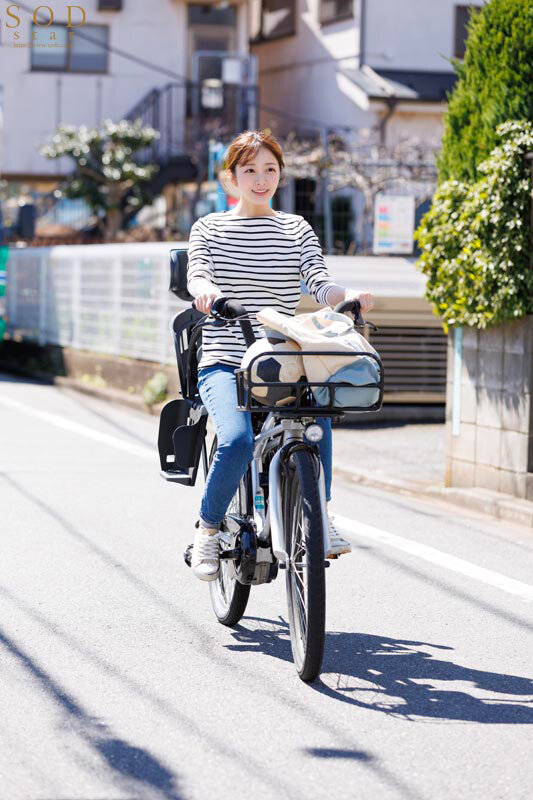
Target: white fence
{"type": "Point", "coordinates": [105, 298]}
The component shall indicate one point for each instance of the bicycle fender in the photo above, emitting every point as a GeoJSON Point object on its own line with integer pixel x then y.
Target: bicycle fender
{"type": "Point", "coordinates": [274, 503]}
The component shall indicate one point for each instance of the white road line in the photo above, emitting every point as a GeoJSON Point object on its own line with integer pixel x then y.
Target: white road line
{"type": "Point", "coordinates": [434, 556]}
{"type": "Point", "coordinates": [83, 430]}
{"type": "Point", "coordinates": [423, 551]}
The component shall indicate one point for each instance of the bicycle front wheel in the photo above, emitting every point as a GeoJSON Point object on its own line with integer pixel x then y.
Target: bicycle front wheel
{"type": "Point", "coordinates": [305, 573]}
{"type": "Point", "coordinates": [229, 597]}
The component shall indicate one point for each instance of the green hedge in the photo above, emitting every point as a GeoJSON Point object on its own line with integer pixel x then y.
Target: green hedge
{"type": "Point", "coordinates": [495, 85]}
{"type": "Point", "coordinates": [476, 239]}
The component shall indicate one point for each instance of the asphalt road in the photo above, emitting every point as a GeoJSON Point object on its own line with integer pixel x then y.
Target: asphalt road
{"type": "Point", "coordinates": [117, 683]}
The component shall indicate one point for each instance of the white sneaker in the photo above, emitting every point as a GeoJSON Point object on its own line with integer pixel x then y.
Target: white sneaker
{"type": "Point", "coordinates": [337, 545]}
{"type": "Point", "coordinates": [205, 558]}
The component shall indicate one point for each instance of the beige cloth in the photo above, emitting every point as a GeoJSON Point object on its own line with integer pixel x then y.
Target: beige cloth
{"type": "Point", "coordinates": [320, 330]}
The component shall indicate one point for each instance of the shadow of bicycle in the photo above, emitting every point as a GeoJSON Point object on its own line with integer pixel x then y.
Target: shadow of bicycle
{"type": "Point", "coordinates": [400, 677]}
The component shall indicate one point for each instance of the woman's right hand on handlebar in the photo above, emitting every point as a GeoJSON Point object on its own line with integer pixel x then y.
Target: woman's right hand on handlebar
{"type": "Point", "coordinates": [204, 302]}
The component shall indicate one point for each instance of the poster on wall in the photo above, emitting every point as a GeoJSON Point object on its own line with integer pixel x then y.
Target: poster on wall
{"type": "Point", "coordinates": [394, 224]}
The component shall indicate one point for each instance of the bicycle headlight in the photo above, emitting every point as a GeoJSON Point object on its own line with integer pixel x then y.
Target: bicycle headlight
{"type": "Point", "coordinates": [314, 433]}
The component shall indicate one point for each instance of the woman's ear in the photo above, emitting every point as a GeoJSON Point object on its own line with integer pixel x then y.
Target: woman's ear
{"type": "Point", "coordinates": [229, 183]}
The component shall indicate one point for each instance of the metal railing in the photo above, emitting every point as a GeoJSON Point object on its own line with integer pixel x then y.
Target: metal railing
{"type": "Point", "coordinates": [184, 122]}
{"type": "Point", "coordinates": [110, 299]}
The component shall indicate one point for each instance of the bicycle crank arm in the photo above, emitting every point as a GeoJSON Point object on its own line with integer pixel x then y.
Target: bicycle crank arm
{"type": "Point", "coordinates": [228, 555]}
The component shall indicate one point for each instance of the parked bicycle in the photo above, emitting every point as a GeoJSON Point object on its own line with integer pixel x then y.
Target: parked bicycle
{"type": "Point", "coordinates": [277, 519]}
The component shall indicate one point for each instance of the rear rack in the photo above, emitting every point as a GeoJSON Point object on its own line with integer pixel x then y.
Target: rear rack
{"type": "Point", "coordinates": [305, 402]}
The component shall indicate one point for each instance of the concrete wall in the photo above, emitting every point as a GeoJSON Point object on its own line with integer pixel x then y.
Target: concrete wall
{"type": "Point", "coordinates": [299, 73]}
{"type": "Point", "coordinates": [411, 34]}
{"type": "Point", "coordinates": [492, 410]}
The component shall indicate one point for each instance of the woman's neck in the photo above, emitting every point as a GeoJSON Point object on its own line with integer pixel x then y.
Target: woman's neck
{"type": "Point", "coordinates": [247, 209]}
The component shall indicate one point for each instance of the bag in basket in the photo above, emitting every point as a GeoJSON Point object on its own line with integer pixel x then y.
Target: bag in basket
{"type": "Point", "coordinates": [332, 332]}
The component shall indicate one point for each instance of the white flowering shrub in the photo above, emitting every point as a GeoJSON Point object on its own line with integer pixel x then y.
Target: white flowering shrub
{"type": "Point", "coordinates": [106, 173]}
{"type": "Point", "coordinates": [476, 239]}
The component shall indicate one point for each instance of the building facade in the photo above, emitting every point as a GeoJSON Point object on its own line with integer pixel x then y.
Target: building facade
{"type": "Point", "coordinates": [54, 69]}
{"type": "Point", "coordinates": [368, 64]}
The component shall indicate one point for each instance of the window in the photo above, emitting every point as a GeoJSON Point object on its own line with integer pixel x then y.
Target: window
{"type": "Point", "coordinates": [462, 16]}
{"type": "Point", "coordinates": [278, 18]}
{"type": "Point", "coordinates": [86, 52]}
{"type": "Point", "coordinates": [109, 5]}
{"type": "Point", "coordinates": [335, 10]}
{"type": "Point", "coordinates": [210, 15]}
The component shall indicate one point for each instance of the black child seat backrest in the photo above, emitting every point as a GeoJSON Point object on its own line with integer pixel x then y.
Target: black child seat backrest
{"type": "Point", "coordinates": [186, 341]}
{"type": "Point", "coordinates": [178, 275]}
{"type": "Point", "coordinates": [182, 424]}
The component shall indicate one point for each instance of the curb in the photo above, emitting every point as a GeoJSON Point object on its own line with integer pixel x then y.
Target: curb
{"type": "Point", "coordinates": [116, 396]}
{"type": "Point", "coordinates": [504, 507]}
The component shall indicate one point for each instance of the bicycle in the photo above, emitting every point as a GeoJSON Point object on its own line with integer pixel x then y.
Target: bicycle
{"type": "Point", "coordinates": [277, 519]}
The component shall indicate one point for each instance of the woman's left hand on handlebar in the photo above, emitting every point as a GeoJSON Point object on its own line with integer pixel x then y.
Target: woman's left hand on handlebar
{"type": "Point", "coordinates": [365, 298]}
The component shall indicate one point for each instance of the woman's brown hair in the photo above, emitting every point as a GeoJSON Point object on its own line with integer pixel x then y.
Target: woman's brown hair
{"type": "Point", "coordinates": [243, 149]}
{"type": "Point", "coordinates": [246, 145]}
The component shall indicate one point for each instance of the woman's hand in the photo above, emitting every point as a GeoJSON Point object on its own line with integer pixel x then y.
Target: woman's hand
{"type": "Point", "coordinates": [365, 298]}
{"type": "Point", "coordinates": [204, 302]}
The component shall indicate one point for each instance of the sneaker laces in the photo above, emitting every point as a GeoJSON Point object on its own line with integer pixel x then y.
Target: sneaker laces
{"type": "Point", "coordinates": [206, 546]}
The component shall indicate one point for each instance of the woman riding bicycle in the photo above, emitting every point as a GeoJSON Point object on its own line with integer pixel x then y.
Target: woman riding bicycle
{"type": "Point", "coordinates": [257, 256]}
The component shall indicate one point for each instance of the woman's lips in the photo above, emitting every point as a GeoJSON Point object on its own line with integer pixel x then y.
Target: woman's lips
{"type": "Point", "coordinates": [256, 192]}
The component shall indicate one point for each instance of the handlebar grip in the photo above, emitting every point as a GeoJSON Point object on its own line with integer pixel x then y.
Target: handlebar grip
{"type": "Point", "coordinates": [225, 307]}
{"type": "Point", "coordinates": [228, 308]}
{"type": "Point", "coordinates": [353, 306]}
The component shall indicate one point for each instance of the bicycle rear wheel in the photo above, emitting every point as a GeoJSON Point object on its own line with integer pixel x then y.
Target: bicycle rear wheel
{"type": "Point", "coordinates": [305, 573]}
{"type": "Point", "coordinates": [229, 598]}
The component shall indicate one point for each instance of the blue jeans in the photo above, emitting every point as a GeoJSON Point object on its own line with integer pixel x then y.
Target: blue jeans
{"type": "Point", "coordinates": [218, 390]}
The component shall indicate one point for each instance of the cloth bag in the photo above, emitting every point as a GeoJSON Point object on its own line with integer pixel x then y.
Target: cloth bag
{"type": "Point", "coordinates": [333, 332]}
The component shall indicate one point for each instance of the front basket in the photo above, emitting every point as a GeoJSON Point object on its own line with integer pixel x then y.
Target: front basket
{"type": "Point", "coordinates": [304, 393]}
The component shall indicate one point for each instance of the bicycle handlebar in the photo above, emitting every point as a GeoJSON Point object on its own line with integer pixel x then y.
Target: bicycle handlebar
{"type": "Point", "coordinates": [224, 308]}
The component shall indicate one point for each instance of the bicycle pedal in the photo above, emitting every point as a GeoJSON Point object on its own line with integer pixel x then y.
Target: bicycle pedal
{"type": "Point", "coordinates": [187, 555]}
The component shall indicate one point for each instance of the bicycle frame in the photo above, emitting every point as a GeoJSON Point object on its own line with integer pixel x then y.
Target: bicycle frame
{"type": "Point", "coordinates": [292, 431]}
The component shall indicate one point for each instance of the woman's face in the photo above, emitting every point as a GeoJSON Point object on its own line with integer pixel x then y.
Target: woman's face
{"type": "Point", "coordinates": [258, 179]}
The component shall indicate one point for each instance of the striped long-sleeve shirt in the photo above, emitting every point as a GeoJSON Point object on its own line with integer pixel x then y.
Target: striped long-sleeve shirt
{"type": "Point", "coordinates": [258, 261]}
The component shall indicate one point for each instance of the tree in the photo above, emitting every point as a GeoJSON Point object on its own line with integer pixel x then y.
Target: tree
{"type": "Point", "coordinates": [106, 174]}
{"type": "Point", "coordinates": [495, 85]}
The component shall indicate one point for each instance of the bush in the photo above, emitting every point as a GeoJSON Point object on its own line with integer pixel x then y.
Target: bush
{"type": "Point", "coordinates": [155, 389]}
{"type": "Point", "coordinates": [495, 85]}
{"type": "Point", "coordinates": [475, 240]}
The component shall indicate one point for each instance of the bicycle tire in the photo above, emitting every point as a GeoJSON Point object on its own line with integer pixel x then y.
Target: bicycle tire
{"type": "Point", "coordinates": [306, 583]}
{"type": "Point", "coordinates": [229, 598]}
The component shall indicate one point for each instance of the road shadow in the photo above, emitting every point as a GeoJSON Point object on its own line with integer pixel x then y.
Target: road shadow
{"type": "Point", "coordinates": [400, 677]}
{"type": "Point", "coordinates": [133, 767]}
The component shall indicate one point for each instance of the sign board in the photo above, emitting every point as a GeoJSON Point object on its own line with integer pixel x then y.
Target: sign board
{"type": "Point", "coordinates": [394, 224]}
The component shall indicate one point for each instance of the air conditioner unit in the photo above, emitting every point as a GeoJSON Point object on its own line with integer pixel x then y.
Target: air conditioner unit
{"type": "Point", "coordinates": [109, 5]}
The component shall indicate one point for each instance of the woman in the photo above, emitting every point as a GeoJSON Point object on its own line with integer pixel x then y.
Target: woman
{"type": "Point", "coordinates": [257, 256]}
